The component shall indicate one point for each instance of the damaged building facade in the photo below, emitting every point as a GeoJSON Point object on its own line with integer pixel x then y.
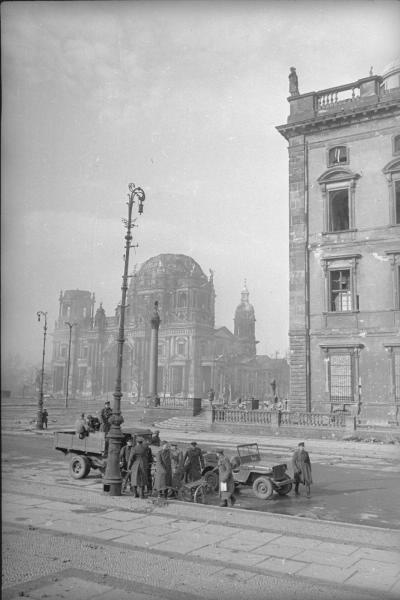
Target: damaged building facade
{"type": "Point", "coordinates": [344, 206]}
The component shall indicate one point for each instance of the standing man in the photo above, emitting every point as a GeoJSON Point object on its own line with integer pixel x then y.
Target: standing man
{"type": "Point", "coordinates": [45, 416]}
{"type": "Point", "coordinates": [301, 469]}
{"type": "Point", "coordinates": [138, 467]}
{"type": "Point", "coordinates": [177, 466]}
{"type": "Point", "coordinates": [211, 397]}
{"type": "Point", "coordinates": [193, 463]}
{"type": "Point", "coordinates": [123, 463]}
{"type": "Point", "coordinates": [150, 460]}
{"type": "Point", "coordinates": [105, 415]}
{"type": "Point", "coordinates": [163, 475]}
{"type": "Point", "coordinates": [226, 481]}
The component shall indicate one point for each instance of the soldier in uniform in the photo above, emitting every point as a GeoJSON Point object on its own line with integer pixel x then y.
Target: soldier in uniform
{"type": "Point", "coordinates": [105, 415]}
{"type": "Point", "coordinates": [193, 463]}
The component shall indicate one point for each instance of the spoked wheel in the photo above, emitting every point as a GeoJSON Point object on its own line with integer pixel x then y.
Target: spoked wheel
{"type": "Point", "coordinates": [262, 488]}
{"type": "Point", "coordinates": [212, 480]}
{"type": "Point", "coordinates": [201, 493]}
{"type": "Point", "coordinates": [284, 489]}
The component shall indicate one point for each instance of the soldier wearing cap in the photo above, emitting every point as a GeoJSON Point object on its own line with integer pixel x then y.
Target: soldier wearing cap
{"type": "Point", "coordinates": [123, 462]}
{"type": "Point", "coordinates": [105, 415]}
{"type": "Point", "coordinates": [301, 469]}
{"type": "Point", "coordinates": [193, 463]}
{"type": "Point", "coordinates": [163, 474]}
{"type": "Point", "coordinates": [226, 481]}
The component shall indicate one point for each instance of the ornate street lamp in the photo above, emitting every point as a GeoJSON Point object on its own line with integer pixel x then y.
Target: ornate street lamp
{"type": "Point", "coordinates": [39, 420]}
{"type": "Point", "coordinates": [112, 477]}
{"type": "Point", "coordinates": [70, 325]}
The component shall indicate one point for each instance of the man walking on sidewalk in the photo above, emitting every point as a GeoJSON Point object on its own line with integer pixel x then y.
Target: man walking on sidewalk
{"type": "Point", "coordinates": [301, 469]}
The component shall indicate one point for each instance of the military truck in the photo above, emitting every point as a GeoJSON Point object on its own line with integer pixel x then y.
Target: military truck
{"type": "Point", "coordinates": [89, 452]}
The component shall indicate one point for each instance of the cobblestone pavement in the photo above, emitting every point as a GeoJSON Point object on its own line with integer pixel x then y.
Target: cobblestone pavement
{"type": "Point", "coordinates": [82, 543]}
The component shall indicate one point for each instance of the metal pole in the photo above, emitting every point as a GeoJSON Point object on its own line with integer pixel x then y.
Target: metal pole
{"type": "Point", "coordinates": [70, 325]}
{"type": "Point", "coordinates": [39, 421]}
{"type": "Point", "coordinates": [112, 477]}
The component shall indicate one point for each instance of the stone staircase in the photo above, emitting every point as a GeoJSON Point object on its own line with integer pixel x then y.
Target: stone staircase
{"type": "Point", "coordinates": [186, 424]}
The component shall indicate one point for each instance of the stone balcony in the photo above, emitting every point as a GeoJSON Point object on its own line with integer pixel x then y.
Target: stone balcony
{"type": "Point", "coordinates": [353, 97]}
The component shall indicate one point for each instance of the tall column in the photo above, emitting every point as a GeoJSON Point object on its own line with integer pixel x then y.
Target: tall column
{"type": "Point", "coordinates": [153, 367]}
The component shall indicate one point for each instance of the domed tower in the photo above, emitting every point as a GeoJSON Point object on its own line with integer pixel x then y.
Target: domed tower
{"type": "Point", "coordinates": [186, 300]}
{"type": "Point", "coordinates": [244, 323]}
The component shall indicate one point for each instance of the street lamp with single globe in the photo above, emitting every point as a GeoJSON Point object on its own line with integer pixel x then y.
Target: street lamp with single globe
{"type": "Point", "coordinates": [70, 325]}
{"type": "Point", "coordinates": [112, 476]}
{"type": "Point", "coordinates": [39, 420]}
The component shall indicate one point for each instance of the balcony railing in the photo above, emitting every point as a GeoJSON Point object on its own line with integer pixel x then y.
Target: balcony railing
{"type": "Point", "coordinates": [333, 99]}
{"type": "Point", "coordinates": [283, 418]}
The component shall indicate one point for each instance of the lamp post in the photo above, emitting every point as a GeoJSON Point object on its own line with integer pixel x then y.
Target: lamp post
{"type": "Point", "coordinates": [70, 325]}
{"type": "Point", "coordinates": [39, 420]}
{"type": "Point", "coordinates": [112, 477]}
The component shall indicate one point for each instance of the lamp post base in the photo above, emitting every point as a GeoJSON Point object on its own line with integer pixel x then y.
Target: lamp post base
{"type": "Point", "coordinates": [112, 477]}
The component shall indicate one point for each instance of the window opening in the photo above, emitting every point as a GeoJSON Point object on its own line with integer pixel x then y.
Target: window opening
{"type": "Point", "coordinates": [341, 379]}
{"type": "Point", "coordinates": [337, 155]}
{"type": "Point", "coordinates": [339, 210]}
{"type": "Point", "coordinates": [397, 202]}
{"type": "Point", "coordinates": [396, 144]}
{"type": "Point", "coordinates": [397, 377]}
{"type": "Point", "coordinates": [340, 287]}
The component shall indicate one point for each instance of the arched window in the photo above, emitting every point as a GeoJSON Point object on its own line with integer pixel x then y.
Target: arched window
{"type": "Point", "coordinates": [392, 173]}
{"type": "Point", "coordinates": [182, 299]}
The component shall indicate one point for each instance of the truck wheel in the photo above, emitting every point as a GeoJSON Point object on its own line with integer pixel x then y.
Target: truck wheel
{"type": "Point", "coordinates": [262, 488]}
{"type": "Point", "coordinates": [79, 467]}
{"type": "Point", "coordinates": [284, 489]}
{"type": "Point", "coordinates": [212, 480]}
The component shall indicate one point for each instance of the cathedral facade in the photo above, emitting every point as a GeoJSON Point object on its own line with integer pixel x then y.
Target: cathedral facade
{"type": "Point", "coordinates": [193, 355]}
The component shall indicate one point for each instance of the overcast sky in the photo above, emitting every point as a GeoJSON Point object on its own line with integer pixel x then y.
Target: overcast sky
{"type": "Point", "coordinates": [181, 98]}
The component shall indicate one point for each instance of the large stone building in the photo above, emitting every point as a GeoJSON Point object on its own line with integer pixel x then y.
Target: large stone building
{"type": "Point", "coordinates": [193, 355]}
{"type": "Point", "coordinates": [344, 202]}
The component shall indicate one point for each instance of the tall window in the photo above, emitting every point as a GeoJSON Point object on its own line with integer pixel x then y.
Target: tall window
{"type": "Point", "coordinates": [397, 202]}
{"type": "Point", "coordinates": [341, 378]}
{"type": "Point", "coordinates": [340, 290]}
{"type": "Point", "coordinates": [396, 144]}
{"type": "Point", "coordinates": [181, 347]}
{"type": "Point", "coordinates": [392, 173]}
{"type": "Point", "coordinates": [337, 155]}
{"type": "Point", "coordinates": [338, 189]}
{"type": "Point", "coordinates": [339, 213]}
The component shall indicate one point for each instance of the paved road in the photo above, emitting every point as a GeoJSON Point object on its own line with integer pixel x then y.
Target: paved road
{"type": "Point", "coordinates": [359, 492]}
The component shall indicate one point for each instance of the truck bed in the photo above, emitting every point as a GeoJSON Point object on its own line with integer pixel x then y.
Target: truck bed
{"type": "Point", "coordinates": [67, 441]}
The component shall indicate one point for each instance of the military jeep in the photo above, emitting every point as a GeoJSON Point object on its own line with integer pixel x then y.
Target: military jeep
{"type": "Point", "coordinates": [249, 470]}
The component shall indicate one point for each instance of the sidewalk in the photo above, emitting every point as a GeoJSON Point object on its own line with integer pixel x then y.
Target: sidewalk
{"type": "Point", "coordinates": [208, 545]}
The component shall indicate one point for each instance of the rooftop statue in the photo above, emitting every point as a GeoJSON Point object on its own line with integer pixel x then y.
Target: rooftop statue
{"type": "Point", "coordinates": [293, 82]}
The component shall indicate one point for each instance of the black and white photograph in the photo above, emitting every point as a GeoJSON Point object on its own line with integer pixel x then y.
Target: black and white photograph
{"type": "Point", "coordinates": [200, 299]}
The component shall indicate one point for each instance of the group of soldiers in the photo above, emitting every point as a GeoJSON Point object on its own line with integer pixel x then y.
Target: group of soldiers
{"type": "Point", "coordinates": [171, 467]}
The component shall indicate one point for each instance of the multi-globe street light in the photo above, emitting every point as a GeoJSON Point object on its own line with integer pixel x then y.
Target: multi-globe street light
{"type": "Point", "coordinates": [112, 477]}
{"type": "Point", "coordinates": [39, 420]}
{"type": "Point", "coordinates": [70, 325]}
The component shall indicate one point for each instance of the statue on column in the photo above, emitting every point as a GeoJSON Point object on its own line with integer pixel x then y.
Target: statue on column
{"type": "Point", "coordinates": [293, 82]}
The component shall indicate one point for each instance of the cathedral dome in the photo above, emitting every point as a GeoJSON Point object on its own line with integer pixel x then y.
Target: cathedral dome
{"type": "Point", "coordinates": [391, 75]}
{"type": "Point", "coordinates": [178, 264]}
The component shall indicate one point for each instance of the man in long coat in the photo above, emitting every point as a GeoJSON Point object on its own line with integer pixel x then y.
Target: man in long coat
{"type": "Point", "coordinates": [163, 474]}
{"type": "Point", "coordinates": [138, 467]}
{"type": "Point", "coordinates": [226, 481]}
{"type": "Point", "coordinates": [177, 466]}
{"type": "Point", "coordinates": [150, 460]}
{"type": "Point", "coordinates": [301, 469]}
{"type": "Point", "coordinates": [123, 463]}
{"type": "Point", "coordinates": [193, 463]}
